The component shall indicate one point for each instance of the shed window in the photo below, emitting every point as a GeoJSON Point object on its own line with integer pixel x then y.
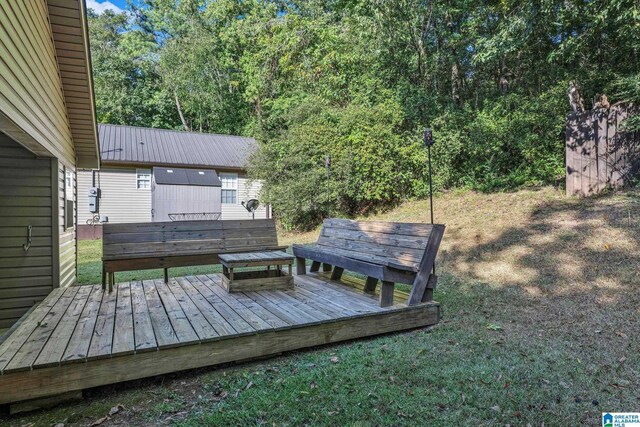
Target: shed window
{"type": "Point", "coordinates": [229, 187]}
{"type": "Point", "coordinates": [143, 179]}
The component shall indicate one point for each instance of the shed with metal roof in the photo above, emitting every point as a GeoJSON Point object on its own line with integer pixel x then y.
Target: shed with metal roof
{"type": "Point", "coordinates": [185, 194]}
{"type": "Point", "coordinates": [136, 146]}
{"type": "Point", "coordinates": [129, 157]}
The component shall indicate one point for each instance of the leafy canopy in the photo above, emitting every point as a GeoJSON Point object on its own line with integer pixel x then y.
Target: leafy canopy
{"type": "Point", "coordinates": [360, 80]}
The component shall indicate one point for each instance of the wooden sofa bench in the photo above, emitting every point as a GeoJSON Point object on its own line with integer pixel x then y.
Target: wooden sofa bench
{"type": "Point", "coordinates": [392, 252]}
{"type": "Point", "coordinates": [142, 246]}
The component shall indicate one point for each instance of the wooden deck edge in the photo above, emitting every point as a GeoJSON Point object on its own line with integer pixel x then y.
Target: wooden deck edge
{"type": "Point", "coordinates": [19, 386]}
{"type": "Point", "coordinates": [7, 332]}
{"type": "Point", "coordinates": [204, 341]}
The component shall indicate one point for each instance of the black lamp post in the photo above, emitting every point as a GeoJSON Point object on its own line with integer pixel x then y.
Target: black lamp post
{"type": "Point", "coordinates": [428, 142]}
{"type": "Point", "coordinates": [327, 165]}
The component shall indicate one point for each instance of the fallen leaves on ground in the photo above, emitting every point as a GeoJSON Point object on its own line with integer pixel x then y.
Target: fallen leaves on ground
{"type": "Point", "coordinates": [119, 407]}
{"type": "Point", "coordinates": [113, 411]}
{"type": "Point", "coordinates": [220, 396]}
{"type": "Point", "coordinates": [494, 327]}
{"type": "Point", "coordinates": [99, 421]}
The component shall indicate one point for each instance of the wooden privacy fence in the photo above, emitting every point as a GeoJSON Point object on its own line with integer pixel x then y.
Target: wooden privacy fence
{"type": "Point", "coordinates": [600, 152]}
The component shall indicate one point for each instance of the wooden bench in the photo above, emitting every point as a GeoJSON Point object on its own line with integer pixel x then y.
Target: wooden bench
{"type": "Point", "coordinates": [392, 252]}
{"type": "Point", "coordinates": [143, 246]}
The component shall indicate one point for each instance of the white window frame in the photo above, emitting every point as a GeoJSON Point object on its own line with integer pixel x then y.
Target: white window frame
{"type": "Point", "coordinates": [224, 177]}
{"type": "Point", "coordinates": [143, 176]}
{"type": "Point", "coordinates": [68, 209]}
{"type": "Point", "coordinates": [68, 183]}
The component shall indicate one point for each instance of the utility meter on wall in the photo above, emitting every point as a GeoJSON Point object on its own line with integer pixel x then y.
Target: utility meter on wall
{"type": "Point", "coordinates": [94, 197]}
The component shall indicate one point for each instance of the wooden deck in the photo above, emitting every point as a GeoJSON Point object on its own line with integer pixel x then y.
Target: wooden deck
{"type": "Point", "coordinates": [83, 337]}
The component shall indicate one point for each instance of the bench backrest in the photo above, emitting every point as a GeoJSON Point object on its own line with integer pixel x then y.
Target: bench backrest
{"type": "Point", "coordinates": [164, 239]}
{"type": "Point", "coordinates": [402, 244]}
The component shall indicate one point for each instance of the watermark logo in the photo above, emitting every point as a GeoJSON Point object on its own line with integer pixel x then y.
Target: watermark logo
{"type": "Point", "coordinates": [621, 419]}
{"type": "Point", "coordinates": [607, 420]}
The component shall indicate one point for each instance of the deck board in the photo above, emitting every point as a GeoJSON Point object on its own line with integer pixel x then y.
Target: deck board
{"type": "Point", "coordinates": [22, 333]}
{"type": "Point", "coordinates": [251, 318]}
{"type": "Point", "coordinates": [181, 325]}
{"type": "Point", "coordinates": [301, 306]}
{"type": "Point", "coordinates": [164, 333]}
{"type": "Point", "coordinates": [144, 336]}
{"type": "Point", "coordinates": [78, 346]}
{"type": "Point", "coordinates": [360, 302]}
{"type": "Point", "coordinates": [146, 328]}
{"type": "Point", "coordinates": [102, 337]}
{"type": "Point", "coordinates": [271, 319]}
{"type": "Point", "coordinates": [123, 330]}
{"type": "Point", "coordinates": [24, 358]}
{"type": "Point", "coordinates": [222, 317]}
{"type": "Point", "coordinates": [283, 311]}
{"type": "Point", "coordinates": [322, 305]}
{"type": "Point", "coordinates": [339, 307]}
{"type": "Point", "coordinates": [56, 345]}
{"type": "Point", "coordinates": [199, 319]}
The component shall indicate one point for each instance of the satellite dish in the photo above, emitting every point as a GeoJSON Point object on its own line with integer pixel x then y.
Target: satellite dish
{"type": "Point", "coordinates": [251, 206]}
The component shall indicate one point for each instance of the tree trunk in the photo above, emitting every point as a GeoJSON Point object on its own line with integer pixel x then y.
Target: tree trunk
{"type": "Point", "coordinates": [182, 119]}
{"type": "Point", "coordinates": [455, 83]}
{"type": "Point", "coordinates": [575, 98]}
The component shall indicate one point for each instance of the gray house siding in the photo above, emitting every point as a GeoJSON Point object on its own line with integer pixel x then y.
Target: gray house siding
{"type": "Point", "coordinates": [47, 127]}
{"type": "Point", "coordinates": [25, 199]}
{"type": "Point", "coordinates": [123, 202]}
{"type": "Point", "coordinates": [31, 93]}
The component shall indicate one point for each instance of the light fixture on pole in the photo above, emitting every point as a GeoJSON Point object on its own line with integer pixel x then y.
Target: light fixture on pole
{"type": "Point", "coordinates": [428, 142]}
{"type": "Point", "coordinates": [327, 165]}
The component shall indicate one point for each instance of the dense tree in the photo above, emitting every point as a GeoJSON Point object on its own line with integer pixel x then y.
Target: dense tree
{"type": "Point", "coordinates": [360, 79]}
{"type": "Point", "coordinates": [125, 72]}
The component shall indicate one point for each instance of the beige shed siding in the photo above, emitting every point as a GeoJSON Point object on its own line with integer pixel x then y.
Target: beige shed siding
{"type": "Point", "coordinates": [30, 87]}
{"type": "Point", "coordinates": [67, 240]}
{"type": "Point", "coordinates": [25, 199]}
{"type": "Point", "coordinates": [247, 189]}
{"type": "Point", "coordinates": [123, 202]}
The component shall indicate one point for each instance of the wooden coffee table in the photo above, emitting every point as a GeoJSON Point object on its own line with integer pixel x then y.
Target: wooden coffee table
{"type": "Point", "coordinates": [272, 276]}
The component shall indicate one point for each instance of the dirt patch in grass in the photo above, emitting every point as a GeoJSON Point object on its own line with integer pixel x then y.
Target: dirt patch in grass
{"type": "Point", "coordinates": [541, 305]}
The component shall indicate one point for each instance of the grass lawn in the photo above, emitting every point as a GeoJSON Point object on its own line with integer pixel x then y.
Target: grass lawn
{"type": "Point", "coordinates": [541, 306]}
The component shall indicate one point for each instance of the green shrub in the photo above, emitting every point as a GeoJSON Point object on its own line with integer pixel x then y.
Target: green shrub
{"type": "Point", "coordinates": [372, 163]}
